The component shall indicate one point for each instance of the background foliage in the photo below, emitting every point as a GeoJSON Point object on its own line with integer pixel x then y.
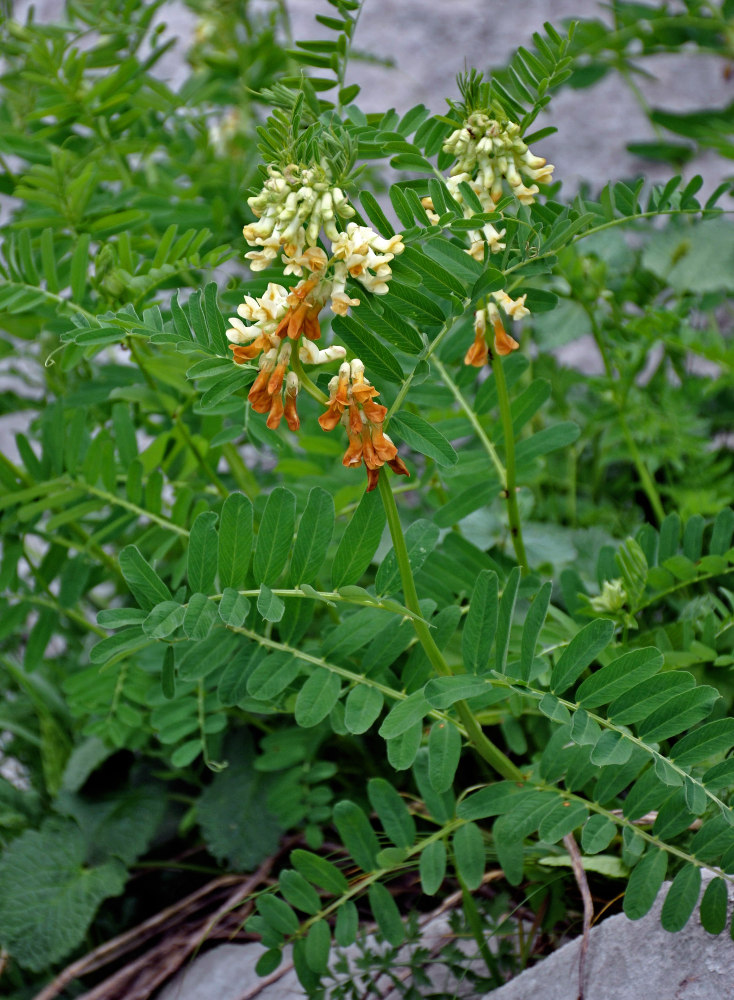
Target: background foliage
{"type": "Point", "coordinates": [207, 642]}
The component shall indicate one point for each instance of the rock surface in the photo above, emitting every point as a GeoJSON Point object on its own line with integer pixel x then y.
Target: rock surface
{"type": "Point", "coordinates": [626, 960]}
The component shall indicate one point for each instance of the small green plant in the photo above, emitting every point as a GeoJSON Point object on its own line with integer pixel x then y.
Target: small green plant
{"type": "Point", "coordinates": [517, 631]}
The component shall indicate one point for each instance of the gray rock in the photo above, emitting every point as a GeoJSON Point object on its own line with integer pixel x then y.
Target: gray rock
{"type": "Point", "coordinates": [228, 973]}
{"type": "Point", "coordinates": [626, 960]}
{"type": "Point", "coordinates": [630, 960]}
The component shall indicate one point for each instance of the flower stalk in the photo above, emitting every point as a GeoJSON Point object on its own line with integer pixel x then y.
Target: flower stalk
{"type": "Point", "coordinates": [513, 511]}
{"type": "Point", "coordinates": [484, 746]}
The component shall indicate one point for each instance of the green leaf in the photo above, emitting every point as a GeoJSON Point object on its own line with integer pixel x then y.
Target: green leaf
{"type": "Point", "coordinates": [378, 360]}
{"type": "Point", "coordinates": [403, 749]}
{"type": "Point", "coordinates": [420, 539]}
{"type": "Point", "coordinates": [566, 815]}
{"type": "Point", "coordinates": [272, 676]}
{"type": "Point", "coordinates": [681, 898]}
{"type": "Point", "coordinates": [43, 920]}
{"type": "Point", "coordinates": [164, 619]}
{"type": "Point", "coordinates": [647, 696]}
{"type": "Point", "coordinates": [235, 541]}
{"type": "Point", "coordinates": [386, 913]}
{"type": "Point", "coordinates": [444, 753]}
{"type": "Point", "coordinates": [597, 834]}
{"type": "Point", "coordinates": [233, 607]}
{"type": "Point", "coordinates": [232, 812]}
{"type": "Point", "coordinates": [644, 884]}
{"type": "Point", "coordinates": [432, 867]}
{"type": "Point", "coordinates": [202, 555]}
{"type": "Point", "coordinates": [270, 606]}
{"type": "Point", "coordinates": [318, 946]}
{"type": "Point", "coordinates": [545, 441]}
{"type": "Point", "coordinates": [319, 871]}
{"type": "Point", "coordinates": [714, 906]}
{"type": "Point", "coordinates": [509, 848]}
{"type": "Point", "coordinates": [469, 858]}
{"type": "Point", "coordinates": [203, 657]}
{"type": "Point", "coordinates": [275, 536]}
{"type": "Point", "coordinates": [200, 616]}
{"type": "Point", "coordinates": [313, 538]}
{"type": "Point", "coordinates": [681, 712]}
{"type": "Point", "coordinates": [297, 891]}
{"type": "Point", "coordinates": [582, 649]}
{"type": "Point", "coordinates": [504, 621]}
{"type": "Point", "coordinates": [359, 542]}
{"type": "Point", "coordinates": [277, 914]}
{"type": "Point", "coordinates": [168, 674]}
{"type": "Point", "coordinates": [356, 834]}
{"type": "Point", "coordinates": [124, 641]}
{"type": "Point", "coordinates": [362, 707]}
{"type": "Point", "coordinates": [404, 715]}
{"type": "Point", "coordinates": [79, 265]}
{"type": "Point", "coordinates": [709, 740]}
{"type": "Point", "coordinates": [621, 675]}
{"type": "Point", "coordinates": [611, 748]}
{"type": "Point", "coordinates": [423, 437]}
{"type": "Point", "coordinates": [481, 623]}
{"type": "Point", "coordinates": [317, 697]}
{"type": "Point", "coordinates": [347, 924]}
{"type": "Point", "coordinates": [531, 629]}
{"type": "Point", "coordinates": [392, 812]}
{"type": "Point", "coordinates": [145, 585]}
{"type": "Point", "coordinates": [401, 206]}
{"type": "Point", "coordinates": [493, 800]}
{"type": "Point", "coordinates": [374, 213]}
{"type": "Point", "coordinates": [442, 692]}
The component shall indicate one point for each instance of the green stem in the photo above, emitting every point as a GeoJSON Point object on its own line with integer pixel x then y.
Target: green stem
{"type": "Point", "coordinates": [484, 747]}
{"type": "Point", "coordinates": [646, 480]}
{"type": "Point", "coordinates": [513, 511]}
{"type": "Point", "coordinates": [311, 388]}
{"type": "Point", "coordinates": [474, 421]}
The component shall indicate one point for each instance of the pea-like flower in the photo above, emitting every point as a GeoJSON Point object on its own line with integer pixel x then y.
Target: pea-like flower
{"type": "Point", "coordinates": [487, 152]}
{"type": "Point", "coordinates": [292, 208]}
{"type": "Point", "coordinates": [478, 353]}
{"type": "Point", "coordinates": [352, 404]}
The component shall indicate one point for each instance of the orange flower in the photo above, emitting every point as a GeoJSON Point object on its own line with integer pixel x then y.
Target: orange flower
{"type": "Point", "coordinates": [503, 343]}
{"type": "Point", "coordinates": [276, 411]}
{"type": "Point", "coordinates": [477, 355]}
{"type": "Point", "coordinates": [302, 316]}
{"type": "Point", "coordinates": [246, 352]}
{"type": "Point", "coordinates": [338, 401]}
{"type": "Point", "coordinates": [291, 391]}
{"type": "Point", "coordinates": [351, 403]}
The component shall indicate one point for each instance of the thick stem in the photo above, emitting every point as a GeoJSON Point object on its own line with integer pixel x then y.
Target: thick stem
{"type": "Point", "coordinates": [513, 511]}
{"type": "Point", "coordinates": [484, 747]}
{"type": "Point", "coordinates": [311, 388]}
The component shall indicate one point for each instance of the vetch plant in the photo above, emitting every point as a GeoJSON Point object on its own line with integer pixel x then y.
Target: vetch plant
{"type": "Point", "coordinates": [513, 656]}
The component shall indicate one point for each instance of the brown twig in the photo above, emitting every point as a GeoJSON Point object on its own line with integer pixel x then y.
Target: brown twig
{"type": "Point", "coordinates": [583, 884]}
{"type": "Point", "coordinates": [131, 939]}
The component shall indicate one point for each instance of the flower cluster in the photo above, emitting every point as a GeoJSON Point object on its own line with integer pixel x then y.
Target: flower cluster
{"type": "Point", "coordinates": [292, 208]}
{"type": "Point", "coordinates": [280, 319]}
{"type": "Point", "coordinates": [488, 151]}
{"type": "Point", "coordinates": [478, 353]}
{"type": "Point", "coordinates": [352, 404]}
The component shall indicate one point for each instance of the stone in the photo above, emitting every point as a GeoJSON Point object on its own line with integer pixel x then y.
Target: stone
{"type": "Point", "coordinates": [634, 959]}
{"type": "Point", "coordinates": [626, 960]}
